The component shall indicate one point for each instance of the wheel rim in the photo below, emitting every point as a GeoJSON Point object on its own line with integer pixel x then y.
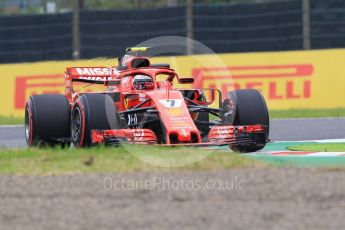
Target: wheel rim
{"type": "Point", "coordinates": [76, 124]}
{"type": "Point", "coordinates": [27, 125]}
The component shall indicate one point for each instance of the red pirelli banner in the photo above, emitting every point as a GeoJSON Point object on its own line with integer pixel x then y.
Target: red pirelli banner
{"type": "Point", "coordinates": [267, 79]}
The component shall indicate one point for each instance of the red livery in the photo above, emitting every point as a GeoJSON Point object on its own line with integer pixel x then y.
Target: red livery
{"type": "Point", "coordinates": [141, 105]}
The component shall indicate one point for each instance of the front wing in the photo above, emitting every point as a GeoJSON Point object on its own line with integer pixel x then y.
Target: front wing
{"type": "Point", "coordinates": [218, 136]}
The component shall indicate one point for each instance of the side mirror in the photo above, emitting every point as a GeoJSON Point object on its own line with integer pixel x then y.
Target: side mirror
{"type": "Point", "coordinates": [186, 80]}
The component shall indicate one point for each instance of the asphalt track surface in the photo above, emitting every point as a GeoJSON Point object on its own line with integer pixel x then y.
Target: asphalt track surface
{"type": "Point", "coordinates": [280, 130]}
{"type": "Point", "coordinates": [267, 198]}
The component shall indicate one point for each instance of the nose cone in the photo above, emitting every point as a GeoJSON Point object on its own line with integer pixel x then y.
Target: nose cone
{"type": "Point", "coordinates": [184, 136]}
{"type": "Point", "coordinates": [174, 114]}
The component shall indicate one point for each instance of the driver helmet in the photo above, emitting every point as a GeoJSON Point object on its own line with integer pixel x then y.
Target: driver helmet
{"type": "Point", "coordinates": [142, 82]}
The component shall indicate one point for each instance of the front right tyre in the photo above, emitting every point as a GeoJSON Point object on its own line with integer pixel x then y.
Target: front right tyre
{"type": "Point", "coordinates": [248, 107]}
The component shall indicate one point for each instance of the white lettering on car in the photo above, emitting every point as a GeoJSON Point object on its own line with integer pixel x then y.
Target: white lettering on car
{"type": "Point", "coordinates": [93, 78]}
{"type": "Point", "coordinates": [94, 71]}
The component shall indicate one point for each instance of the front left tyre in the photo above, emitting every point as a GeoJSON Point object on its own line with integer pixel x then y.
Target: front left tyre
{"type": "Point", "coordinates": [47, 121]}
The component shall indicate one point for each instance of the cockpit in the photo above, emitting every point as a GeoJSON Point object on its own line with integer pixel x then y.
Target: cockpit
{"type": "Point", "coordinates": [142, 82]}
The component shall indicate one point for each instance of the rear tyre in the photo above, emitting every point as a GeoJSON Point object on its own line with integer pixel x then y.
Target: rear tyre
{"type": "Point", "coordinates": [92, 111]}
{"type": "Point", "coordinates": [47, 121]}
{"type": "Point", "coordinates": [249, 109]}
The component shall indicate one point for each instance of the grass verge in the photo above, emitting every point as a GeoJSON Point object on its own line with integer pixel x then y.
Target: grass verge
{"type": "Point", "coordinates": [308, 162]}
{"type": "Point", "coordinates": [329, 147]}
{"type": "Point", "coordinates": [10, 120]}
{"type": "Point", "coordinates": [307, 113]}
{"type": "Point", "coordinates": [118, 159]}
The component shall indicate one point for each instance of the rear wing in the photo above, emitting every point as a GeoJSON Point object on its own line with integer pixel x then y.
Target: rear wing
{"type": "Point", "coordinates": [92, 75]}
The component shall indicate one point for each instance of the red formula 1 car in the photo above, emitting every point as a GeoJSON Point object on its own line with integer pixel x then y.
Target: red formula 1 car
{"type": "Point", "coordinates": [140, 105]}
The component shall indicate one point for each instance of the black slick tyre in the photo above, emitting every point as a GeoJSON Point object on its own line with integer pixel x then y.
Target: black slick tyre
{"type": "Point", "coordinates": [92, 112]}
{"type": "Point", "coordinates": [250, 109]}
{"type": "Point", "coordinates": [47, 121]}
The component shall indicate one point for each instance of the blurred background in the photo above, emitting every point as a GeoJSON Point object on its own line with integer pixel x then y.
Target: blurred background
{"type": "Point", "coordinates": [39, 30]}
